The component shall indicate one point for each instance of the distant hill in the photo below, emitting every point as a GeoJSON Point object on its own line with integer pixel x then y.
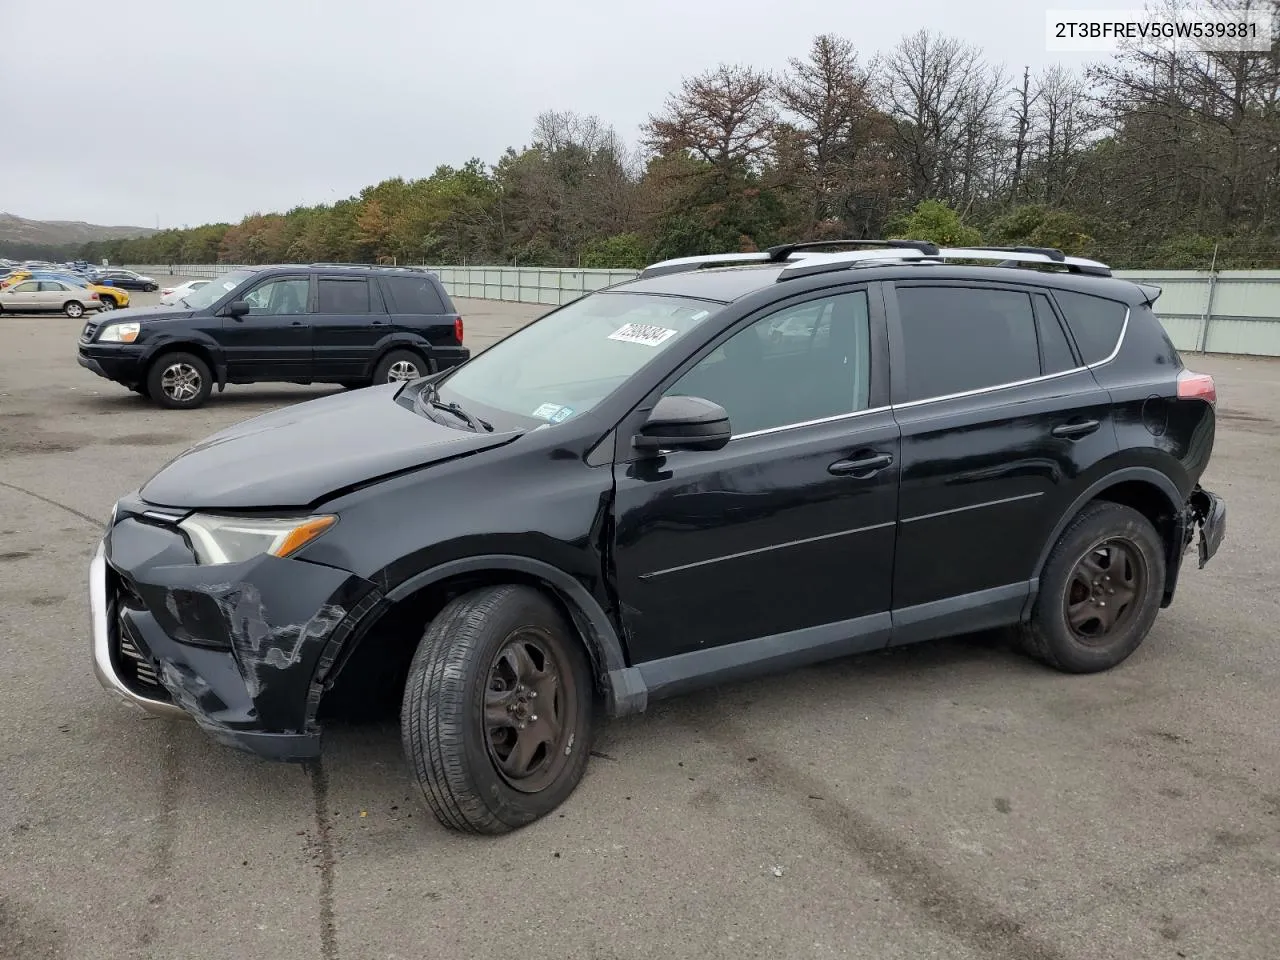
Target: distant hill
{"type": "Point", "coordinates": [18, 231]}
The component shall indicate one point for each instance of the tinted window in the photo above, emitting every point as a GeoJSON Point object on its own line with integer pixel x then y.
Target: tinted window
{"type": "Point", "coordinates": [958, 339]}
{"type": "Point", "coordinates": [814, 357]}
{"type": "Point", "coordinates": [277, 298]}
{"type": "Point", "coordinates": [412, 295]}
{"type": "Point", "coordinates": [1055, 351]}
{"type": "Point", "coordinates": [1095, 323]}
{"type": "Point", "coordinates": [343, 296]}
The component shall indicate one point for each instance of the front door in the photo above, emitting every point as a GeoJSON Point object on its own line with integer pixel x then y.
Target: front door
{"type": "Point", "coordinates": [349, 320]}
{"type": "Point", "coordinates": [788, 531]}
{"type": "Point", "coordinates": [999, 420]}
{"type": "Point", "coordinates": [21, 296]}
{"type": "Point", "coordinates": [273, 340]}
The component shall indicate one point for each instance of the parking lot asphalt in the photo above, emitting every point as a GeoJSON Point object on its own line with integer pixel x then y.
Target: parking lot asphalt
{"type": "Point", "coordinates": [951, 800]}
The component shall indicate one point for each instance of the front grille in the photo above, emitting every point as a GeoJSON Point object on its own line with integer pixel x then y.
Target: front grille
{"type": "Point", "coordinates": [131, 658]}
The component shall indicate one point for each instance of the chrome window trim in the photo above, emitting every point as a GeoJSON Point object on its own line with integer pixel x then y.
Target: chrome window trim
{"type": "Point", "coordinates": [808, 423]}
{"type": "Point", "coordinates": [765, 549]}
{"type": "Point", "coordinates": [1115, 352]}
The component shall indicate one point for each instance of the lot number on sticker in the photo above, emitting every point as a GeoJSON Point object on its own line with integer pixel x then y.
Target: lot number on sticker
{"type": "Point", "coordinates": [644, 333]}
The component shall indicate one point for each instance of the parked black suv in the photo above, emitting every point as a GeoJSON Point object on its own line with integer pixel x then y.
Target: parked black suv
{"type": "Point", "coordinates": [725, 467]}
{"type": "Point", "coordinates": [322, 323]}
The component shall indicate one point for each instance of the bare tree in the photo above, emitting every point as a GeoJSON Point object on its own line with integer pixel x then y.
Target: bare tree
{"type": "Point", "coordinates": [723, 117]}
{"type": "Point", "coordinates": [1020, 114]}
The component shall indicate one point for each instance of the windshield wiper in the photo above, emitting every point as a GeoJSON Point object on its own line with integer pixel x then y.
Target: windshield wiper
{"type": "Point", "coordinates": [429, 393]}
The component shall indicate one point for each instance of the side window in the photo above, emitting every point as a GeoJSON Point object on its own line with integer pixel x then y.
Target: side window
{"type": "Point", "coordinates": [27, 286]}
{"type": "Point", "coordinates": [412, 295]}
{"type": "Point", "coordinates": [957, 339]}
{"type": "Point", "coordinates": [1055, 351]}
{"type": "Point", "coordinates": [52, 286]}
{"type": "Point", "coordinates": [813, 356]}
{"type": "Point", "coordinates": [1095, 323]}
{"type": "Point", "coordinates": [343, 296]}
{"type": "Point", "coordinates": [277, 298]}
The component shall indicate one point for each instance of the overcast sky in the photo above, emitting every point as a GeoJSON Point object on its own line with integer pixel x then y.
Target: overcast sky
{"type": "Point", "coordinates": [191, 111]}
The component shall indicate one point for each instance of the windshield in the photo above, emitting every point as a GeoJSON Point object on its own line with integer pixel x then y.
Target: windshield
{"type": "Point", "coordinates": [567, 362]}
{"type": "Point", "coordinates": [219, 288]}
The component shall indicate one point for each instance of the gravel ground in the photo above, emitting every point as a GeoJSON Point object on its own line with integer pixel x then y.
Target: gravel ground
{"type": "Point", "coordinates": [951, 800]}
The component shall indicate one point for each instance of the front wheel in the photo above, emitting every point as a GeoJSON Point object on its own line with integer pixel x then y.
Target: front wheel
{"type": "Point", "coordinates": [1100, 591]}
{"type": "Point", "coordinates": [73, 309]}
{"type": "Point", "coordinates": [497, 713]}
{"type": "Point", "coordinates": [179, 381]}
{"type": "Point", "coordinates": [108, 304]}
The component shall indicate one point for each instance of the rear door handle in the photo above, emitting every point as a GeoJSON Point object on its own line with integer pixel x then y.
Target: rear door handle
{"type": "Point", "coordinates": [861, 466]}
{"type": "Point", "coordinates": [1077, 428]}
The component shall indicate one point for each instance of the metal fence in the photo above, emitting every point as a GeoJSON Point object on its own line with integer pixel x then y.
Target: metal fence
{"type": "Point", "coordinates": [1231, 311]}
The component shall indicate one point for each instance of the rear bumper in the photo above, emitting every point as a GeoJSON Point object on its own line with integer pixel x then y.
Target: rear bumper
{"type": "Point", "coordinates": [1208, 511]}
{"type": "Point", "coordinates": [447, 357]}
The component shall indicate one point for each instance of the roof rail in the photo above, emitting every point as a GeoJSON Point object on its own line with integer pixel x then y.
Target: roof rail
{"type": "Point", "coordinates": [368, 266]}
{"type": "Point", "coordinates": [783, 251]}
{"type": "Point", "coordinates": [684, 264]}
{"type": "Point", "coordinates": [1003, 256]}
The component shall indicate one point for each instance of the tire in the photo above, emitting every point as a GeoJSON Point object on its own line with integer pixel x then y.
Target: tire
{"type": "Point", "coordinates": [107, 304]}
{"type": "Point", "coordinates": [463, 661]}
{"type": "Point", "coordinates": [399, 365]}
{"type": "Point", "coordinates": [179, 370]}
{"type": "Point", "coordinates": [1106, 552]}
{"type": "Point", "coordinates": [73, 309]}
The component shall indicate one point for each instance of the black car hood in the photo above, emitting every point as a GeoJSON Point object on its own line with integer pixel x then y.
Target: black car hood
{"type": "Point", "coordinates": [295, 456]}
{"type": "Point", "coordinates": [146, 313]}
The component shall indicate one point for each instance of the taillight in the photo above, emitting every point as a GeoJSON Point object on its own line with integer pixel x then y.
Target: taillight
{"type": "Point", "coordinates": [457, 329]}
{"type": "Point", "coordinates": [93, 296]}
{"type": "Point", "coordinates": [1196, 386]}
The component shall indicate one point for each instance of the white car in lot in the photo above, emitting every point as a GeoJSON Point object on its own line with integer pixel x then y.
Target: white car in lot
{"type": "Point", "coordinates": [171, 295]}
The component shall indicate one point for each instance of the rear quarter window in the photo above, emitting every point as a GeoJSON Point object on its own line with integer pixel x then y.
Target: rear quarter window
{"type": "Point", "coordinates": [1095, 323]}
{"type": "Point", "coordinates": [412, 295]}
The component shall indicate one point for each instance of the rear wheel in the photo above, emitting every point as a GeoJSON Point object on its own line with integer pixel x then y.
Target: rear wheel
{"type": "Point", "coordinates": [497, 712]}
{"type": "Point", "coordinates": [400, 365]}
{"type": "Point", "coordinates": [1100, 591]}
{"type": "Point", "coordinates": [179, 381]}
{"type": "Point", "coordinates": [73, 309]}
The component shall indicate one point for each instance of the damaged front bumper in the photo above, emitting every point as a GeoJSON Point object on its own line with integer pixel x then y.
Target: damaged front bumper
{"type": "Point", "coordinates": [242, 648]}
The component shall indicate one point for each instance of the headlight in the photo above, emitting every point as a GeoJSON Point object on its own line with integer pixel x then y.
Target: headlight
{"type": "Point", "coordinates": [119, 333]}
{"type": "Point", "coordinates": [234, 539]}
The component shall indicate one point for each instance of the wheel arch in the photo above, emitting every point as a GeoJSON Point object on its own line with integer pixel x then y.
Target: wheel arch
{"type": "Point", "coordinates": [422, 597]}
{"type": "Point", "coordinates": [204, 351]}
{"type": "Point", "coordinates": [401, 341]}
{"type": "Point", "coordinates": [1144, 489]}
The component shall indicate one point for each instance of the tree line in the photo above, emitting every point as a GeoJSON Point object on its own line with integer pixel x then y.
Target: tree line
{"type": "Point", "coordinates": [1153, 158]}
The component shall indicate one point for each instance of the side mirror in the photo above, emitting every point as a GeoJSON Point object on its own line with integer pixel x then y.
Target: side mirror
{"type": "Point", "coordinates": [684, 423]}
{"type": "Point", "coordinates": [237, 308]}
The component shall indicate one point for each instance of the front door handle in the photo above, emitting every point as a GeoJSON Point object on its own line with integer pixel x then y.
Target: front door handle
{"type": "Point", "coordinates": [861, 467]}
{"type": "Point", "coordinates": [1075, 429]}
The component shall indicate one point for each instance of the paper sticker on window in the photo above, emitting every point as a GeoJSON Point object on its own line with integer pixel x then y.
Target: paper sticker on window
{"type": "Point", "coordinates": [564, 413]}
{"type": "Point", "coordinates": [545, 411]}
{"type": "Point", "coordinates": [644, 333]}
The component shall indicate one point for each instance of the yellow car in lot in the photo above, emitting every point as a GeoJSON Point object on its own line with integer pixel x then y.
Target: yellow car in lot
{"type": "Point", "coordinates": [112, 298]}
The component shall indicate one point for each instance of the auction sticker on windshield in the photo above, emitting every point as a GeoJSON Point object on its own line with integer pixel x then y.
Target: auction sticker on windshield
{"type": "Point", "coordinates": [644, 333]}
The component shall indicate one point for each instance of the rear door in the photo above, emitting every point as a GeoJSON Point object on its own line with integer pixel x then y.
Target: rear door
{"type": "Point", "coordinates": [999, 421]}
{"type": "Point", "coordinates": [54, 293]}
{"type": "Point", "coordinates": [273, 340]}
{"type": "Point", "coordinates": [349, 320]}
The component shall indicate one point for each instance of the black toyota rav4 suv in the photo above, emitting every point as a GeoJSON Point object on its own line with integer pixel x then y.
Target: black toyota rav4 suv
{"type": "Point", "coordinates": [728, 466]}
{"type": "Point", "coordinates": [320, 323]}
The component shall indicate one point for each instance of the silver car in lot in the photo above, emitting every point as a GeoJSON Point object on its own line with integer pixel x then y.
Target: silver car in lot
{"type": "Point", "coordinates": [38, 296]}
